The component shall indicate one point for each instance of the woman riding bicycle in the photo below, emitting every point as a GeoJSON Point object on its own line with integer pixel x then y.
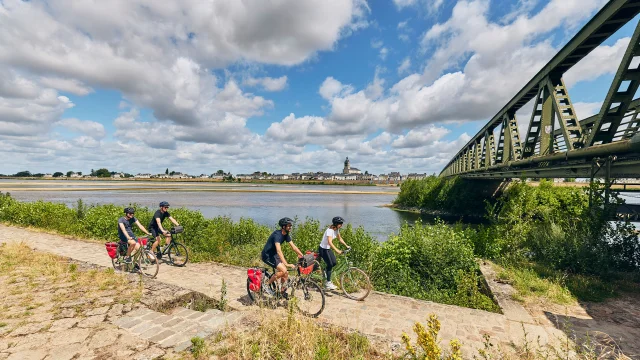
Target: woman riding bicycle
{"type": "Point", "coordinates": [327, 247]}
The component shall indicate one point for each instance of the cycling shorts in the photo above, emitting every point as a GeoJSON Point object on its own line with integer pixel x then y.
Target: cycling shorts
{"type": "Point", "coordinates": [272, 261]}
{"type": "Point", "coordinates": [155, 232]}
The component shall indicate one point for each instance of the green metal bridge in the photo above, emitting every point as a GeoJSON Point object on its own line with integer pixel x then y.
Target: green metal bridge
{"type": "Point", "coordinates": [557, 143]}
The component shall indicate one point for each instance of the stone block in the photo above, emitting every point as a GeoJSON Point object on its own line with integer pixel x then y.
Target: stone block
{"type": "Point", "coordinates": [63, 324]}
{"type": "Point", "coordinates": [161, 336]}
{"type": "Point", "coordinates": [140, 312]}
{"type": "Point", "coordinates": [91, 321]}
{"type": "Point", "coordinates": [142, 327]}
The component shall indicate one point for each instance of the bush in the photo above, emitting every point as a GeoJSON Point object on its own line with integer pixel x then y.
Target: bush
{"type": "Point", "coordinates": [429, 262]}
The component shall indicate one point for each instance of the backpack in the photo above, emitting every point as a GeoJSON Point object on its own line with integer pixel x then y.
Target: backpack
{"type": "Point", "coordinates": [255, 277]}
{"type": "Point", "coordinates": [308, 259]}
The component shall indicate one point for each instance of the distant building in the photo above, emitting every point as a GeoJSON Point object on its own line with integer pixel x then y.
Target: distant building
{"type": "Point", "coordinates": [348, 169]}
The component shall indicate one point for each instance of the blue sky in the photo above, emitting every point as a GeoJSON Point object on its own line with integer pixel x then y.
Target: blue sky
{"type": "Point", "coordinates": [281, 86]}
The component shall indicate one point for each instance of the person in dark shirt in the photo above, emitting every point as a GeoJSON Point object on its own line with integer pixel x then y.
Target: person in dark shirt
{"type": "Point", "coordinates": [125, 231]}
{"type": "Point", "coordinates": [273, 256]}
{"type": "Point", "coordinates": [155, 226]}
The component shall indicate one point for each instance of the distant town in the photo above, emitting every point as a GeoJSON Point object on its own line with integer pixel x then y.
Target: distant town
{"type": "Point", "coordinates": [348, 173]}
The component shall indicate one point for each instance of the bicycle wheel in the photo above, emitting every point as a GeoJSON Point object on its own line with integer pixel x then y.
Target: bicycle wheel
{"type": "Point", "coordinates": [355, 284]}
{"type": "Point", "coordinates": [148, 264]}
{"type": "Point", "coordinates": [311, 301]}
{"type": "Point", "coordinates": [178, 254]}
{"type": "Point", "coordinates": [118, 263]}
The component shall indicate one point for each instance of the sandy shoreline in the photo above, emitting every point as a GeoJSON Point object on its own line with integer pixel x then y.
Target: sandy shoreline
{"type": "Point", "coordinates": [165, 188]}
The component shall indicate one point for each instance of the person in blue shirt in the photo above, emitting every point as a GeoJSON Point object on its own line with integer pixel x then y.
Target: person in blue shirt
{"type": "Point", "coordinates": [273, 256]}
{"type": "Point", "coordinates": [125, 231]}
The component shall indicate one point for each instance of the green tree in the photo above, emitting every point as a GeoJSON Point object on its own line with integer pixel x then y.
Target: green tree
{"type": "Point", "coordinates": [103, 173]}
{"type": "Point", "coordinates": [23, 174]}
{"type": "Point", "coordinates": [172, 173]}
{"type": "Point", "coordinates": [69, 173]}
{"type": "Point", "coordinates": [166, 171]}
{"type": "Point", "coordinates": [79, 173]}
{"type": "Point", "coordinates": [93, 172]}
{"type": "Point", "coordinates": [57, 174]}
{"type": "Point", "coordinates": [220, 172]}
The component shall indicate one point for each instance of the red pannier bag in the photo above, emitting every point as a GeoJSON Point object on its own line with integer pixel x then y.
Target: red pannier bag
{"type": "Point", "coordinates": [112, 249]}
{"type": "Point", "coordinates": [143, 241]}
{"type": "Point", "coordinates": [306, 270]}
{"type": "Point", "coordinates": [255, 277]}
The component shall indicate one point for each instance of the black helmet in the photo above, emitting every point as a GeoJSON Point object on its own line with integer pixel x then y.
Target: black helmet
{"type": "Point", "coordinates": [285, 221]}
{"type": "Point", "coordinates": [129, 210]}
{"type": "Point", "coordinates": [337, 220]}
{"type": "Point", "coordinates": [164, 203]}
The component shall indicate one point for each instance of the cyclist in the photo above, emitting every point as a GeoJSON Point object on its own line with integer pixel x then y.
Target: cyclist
{"type": "Point", "coordinates": [326, 246]}
{"type": "Point", "coordinates": [272, 253]}
{"type": "Point", "coordinates": [155, 226]}
{"type": "Point", "coordinates": [125, 232]}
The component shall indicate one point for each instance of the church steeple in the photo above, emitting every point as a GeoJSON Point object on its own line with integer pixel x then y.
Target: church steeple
{"type": "Point", "coordinates": [347, 166]}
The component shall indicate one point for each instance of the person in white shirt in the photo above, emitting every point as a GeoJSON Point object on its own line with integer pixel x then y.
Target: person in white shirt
{"type": "Point", "coordinates": [327, 247]}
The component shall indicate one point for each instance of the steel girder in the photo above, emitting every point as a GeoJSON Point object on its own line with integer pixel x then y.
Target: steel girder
{"type": "Point", "coordinates": [554, 128]}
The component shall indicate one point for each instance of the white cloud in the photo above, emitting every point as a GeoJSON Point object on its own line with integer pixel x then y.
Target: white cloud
{"type": "Point", "coordinates": [331, 87]}
{"type": "Point", "coordinates": [383, 53]}
{"type": "Point", "coordinates": [404, 3]}
{"type": "Point", "coordinates": [404, 66]}
{"type": "Point", "coordinates": [602, 60]}
{"type": "Point", "coordinates": [268, 83]}
{"type": "Point", "coordinates": [420, 137]}
{"type": "Point", "coordinates": [469, 31]}
{"type": "Point", "coordinates": [68, 85]}
{"type": "Point", "coordinates": [90, 128]}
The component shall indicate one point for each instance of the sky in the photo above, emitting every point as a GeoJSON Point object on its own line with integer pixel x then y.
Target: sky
{"type": "Point", "coordinates": [280, 86]}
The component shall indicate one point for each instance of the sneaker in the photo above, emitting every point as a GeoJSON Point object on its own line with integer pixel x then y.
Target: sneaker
{"type": "Point", "coordinates": [330, 286]}
{"type": "Point", "coordinates": [267, 289]}
{"type": "Point", "coordinates": [127, 260]}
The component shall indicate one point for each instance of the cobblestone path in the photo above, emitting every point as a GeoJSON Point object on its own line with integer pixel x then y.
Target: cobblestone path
{"type": "Point", "coordinates": [382, 315]}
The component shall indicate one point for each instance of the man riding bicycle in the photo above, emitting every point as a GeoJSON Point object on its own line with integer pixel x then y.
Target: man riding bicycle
{"type": "Point", "coordinates": [125, 232]}
{"type": "Point", "coordinates": [273, 256]}
{"type": "Point", "coordinates": [155, 226]}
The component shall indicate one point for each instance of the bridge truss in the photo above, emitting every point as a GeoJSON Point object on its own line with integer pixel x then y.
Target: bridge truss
{"type": "Point", "coordinates": [557, 144]}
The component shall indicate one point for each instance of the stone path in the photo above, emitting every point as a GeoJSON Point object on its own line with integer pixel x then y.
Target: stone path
{"type": "Point", "coordinates": [381, 315]}
{"type": "Point", "coordinates": [177, 329]}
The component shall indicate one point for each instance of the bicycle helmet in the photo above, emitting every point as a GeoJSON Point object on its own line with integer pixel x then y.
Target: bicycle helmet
{"type": "Point", "coordinates": [285, 221]}
{"type": "Point", "coordinates": [164, 203]}
{"type": "Point", "coordinates": [129, 210]}
{"type": "Point", "coordinates": [337, 220]}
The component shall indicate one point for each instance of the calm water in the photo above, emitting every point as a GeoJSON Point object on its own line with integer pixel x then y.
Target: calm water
{"type": "Point", "coordinates": [264, 207]}
{"type": "Point", "coordinates": [265, 203]}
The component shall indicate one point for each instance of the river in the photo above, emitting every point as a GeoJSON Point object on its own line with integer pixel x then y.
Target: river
{"type": "Point", "coordinates": [264, 203]}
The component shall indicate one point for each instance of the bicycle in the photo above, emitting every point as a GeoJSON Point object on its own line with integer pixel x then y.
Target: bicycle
{"type": "Point", "coordinates": [354, 282]}
{"type": "Point", "coordinates": [311, 292]}
{"type": "Point", "coordinates": [177, 252]}
{"type": "Point", "coordinates": [142, 259]}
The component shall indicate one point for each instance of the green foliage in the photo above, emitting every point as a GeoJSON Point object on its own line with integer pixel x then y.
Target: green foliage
{"type": "Point", "coordinates": [429, 262]}
{"type": "Point", "coordinates": [198, 347]}
{"type": "Point", "coordinates": [103, 173]}
{"type": "Point", "coordinates": [454, 195]}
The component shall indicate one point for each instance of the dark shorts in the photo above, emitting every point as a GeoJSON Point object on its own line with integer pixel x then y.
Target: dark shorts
{"type": "Point", "coordinates": [272, 261]}
{"type": "Point", "coordinates": [124, 238]}
{"type": "Point", "coordinates": [155, 232]}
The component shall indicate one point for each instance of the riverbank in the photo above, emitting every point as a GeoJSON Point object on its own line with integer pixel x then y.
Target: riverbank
{"type": "Point", "coordinates": [217, 181]}
{"type": "Point", "coordinates": [438, 214]}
